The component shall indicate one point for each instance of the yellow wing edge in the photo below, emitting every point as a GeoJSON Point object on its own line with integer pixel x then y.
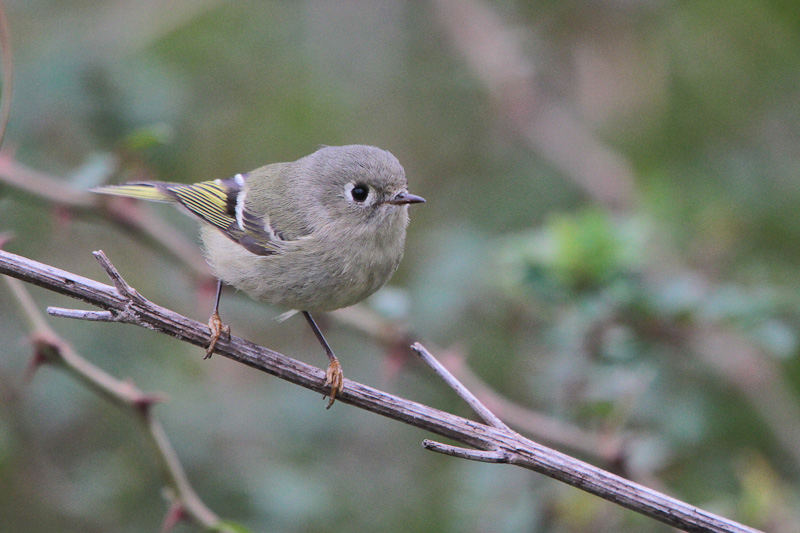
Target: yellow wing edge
{"type": "Point", "coordinates": [142, 191]}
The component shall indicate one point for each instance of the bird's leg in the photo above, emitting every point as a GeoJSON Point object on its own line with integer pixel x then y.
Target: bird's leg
{"type": "Point", "coordinates": [218, 329]}
{"type": "Point", "coordinates": [334, 377]}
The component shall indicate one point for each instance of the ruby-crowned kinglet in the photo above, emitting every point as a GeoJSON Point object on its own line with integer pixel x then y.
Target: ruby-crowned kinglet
{"type": "Point", "coordinates": [318, 234]}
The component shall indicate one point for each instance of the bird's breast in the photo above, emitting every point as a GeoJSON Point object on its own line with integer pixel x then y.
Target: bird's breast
{"type": "Point", "coordinates": [315, 273]}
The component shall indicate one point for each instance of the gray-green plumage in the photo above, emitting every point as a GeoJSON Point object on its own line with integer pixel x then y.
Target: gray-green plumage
{"type": "Point", "coordinates": [318, 234]}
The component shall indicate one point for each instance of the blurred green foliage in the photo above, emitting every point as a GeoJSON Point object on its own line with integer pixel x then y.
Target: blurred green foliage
{"type": "Point", "coordinates": [671, 326]}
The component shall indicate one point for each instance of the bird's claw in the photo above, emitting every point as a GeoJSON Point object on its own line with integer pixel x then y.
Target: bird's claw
{"type": "Point", "coordinates": [218, 330]}
{"type": "Point", "coordinates": [334, 378]}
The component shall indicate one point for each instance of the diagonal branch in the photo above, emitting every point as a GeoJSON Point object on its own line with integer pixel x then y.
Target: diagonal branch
{"type": "Point", "coordinates": [476, 405]}
{"type": "Point", "coordinates": [604, 445]}
{"type": "Point", "coordinates": [511, 447]}
{"type": "Point", "coordinates": [134, 218]}
{"type": "Point", "coordinates": [50, 348]}
{"type": "Point", "coordinates": [495, 54]}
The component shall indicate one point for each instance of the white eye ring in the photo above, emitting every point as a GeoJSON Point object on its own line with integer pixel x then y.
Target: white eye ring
{"type": "Point", "coordinates": [357, 192]}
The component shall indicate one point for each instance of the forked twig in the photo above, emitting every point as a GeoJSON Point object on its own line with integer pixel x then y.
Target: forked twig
{"type": "Point", "coordinates": [501, 445]}
{"type": "Point", "coordinates": [122, 286]}
{"type": "Point", "coordinates": [476, 405]}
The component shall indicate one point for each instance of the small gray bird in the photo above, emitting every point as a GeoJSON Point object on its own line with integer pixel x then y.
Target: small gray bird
{"type": "Point", "coordinates": [318, 234]}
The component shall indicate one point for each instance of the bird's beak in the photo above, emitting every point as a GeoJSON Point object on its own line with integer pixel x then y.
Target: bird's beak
{"type": "Point", "coordinates": [404, 198]}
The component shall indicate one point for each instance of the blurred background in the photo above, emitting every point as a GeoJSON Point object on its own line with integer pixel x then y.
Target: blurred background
{"type": "Point", "coordinates": [609, 256]}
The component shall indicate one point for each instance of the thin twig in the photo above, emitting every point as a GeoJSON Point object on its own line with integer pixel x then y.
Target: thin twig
{"type": "Point", "coordinates": [124, 394]}
{"type": "Point", "coordinates": [605, 446]}
{"type": "Point", "coordinates": [28, 306]}
{"type": "Point", "coordinates": [476, 405]}
{"type": "Point", "coordinates": [141, 219]}
{"type": "Point", "coordinates": [481, 456]}
{"type": "Point", "coordinates": [43, 186]}
{"type": "Point", "coordinates": [122, 286]}
{"type": "Point", "coordinates": [80, 314]}
{"type": "Point", "coordinates": [757, 376]}
{"type": "Point", "coordinates": [495, 53]}
{"type": "Point", "coordinates": [135, 218]}
{"type": "Point", "coordinates": [523, 452]}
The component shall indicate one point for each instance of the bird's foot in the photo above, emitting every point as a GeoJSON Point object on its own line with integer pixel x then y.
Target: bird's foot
{"type": "Point", "coordinates": [334, 378]}
{"type": "Point", "coordinates": [218, 330]}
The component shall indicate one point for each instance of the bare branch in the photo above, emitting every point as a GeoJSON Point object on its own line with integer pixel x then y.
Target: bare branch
{"type": "Point", "coordinates": [523, 452]}
{"type": "Point", "coordinates": [466, 453]}
{"type": "Point", "coordinates": [132, 216]}
{"type": "Point", "coordinates": [757, 376]}
{"type": "Point", "coordinates": [42, 185]}
{"type": "Point", "coordinates": [80, 314]}
{"type": "Point", "coordinates": [606, 446]}
{"type": "Point", "coordinates": [123, 288]}
{"type": "Point", "coordinates": [456, 385]}
{"type": "Point", "coordinates": [495, 54]}
{"type": "Point", "coordinates": [51, 348]}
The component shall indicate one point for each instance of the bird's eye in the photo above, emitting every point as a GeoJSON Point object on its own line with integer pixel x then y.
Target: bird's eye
{"type": "Point", "coordinates": [359, 193]}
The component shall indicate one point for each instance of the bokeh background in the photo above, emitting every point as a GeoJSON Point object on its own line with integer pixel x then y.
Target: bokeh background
{"type": "Point", "coordinates": [609, 254]}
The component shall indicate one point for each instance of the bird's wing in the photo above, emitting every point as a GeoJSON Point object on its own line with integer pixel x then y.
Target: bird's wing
{"type": "Point", "coordinates": [218, 202]}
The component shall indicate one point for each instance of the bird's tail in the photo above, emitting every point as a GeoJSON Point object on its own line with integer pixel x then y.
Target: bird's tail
{"type": "Point", "coordinates": [154, 191]}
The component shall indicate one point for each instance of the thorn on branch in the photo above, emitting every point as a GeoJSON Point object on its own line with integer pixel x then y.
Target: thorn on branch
{"type": "Point", "coordinates": [142, 402]}
{"type": "Point", "coordinates": [46, 349]}
{"type": "Point", "coordinates": [175, 515]}
{"type": "Point", "coordinates": [38, 359]}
